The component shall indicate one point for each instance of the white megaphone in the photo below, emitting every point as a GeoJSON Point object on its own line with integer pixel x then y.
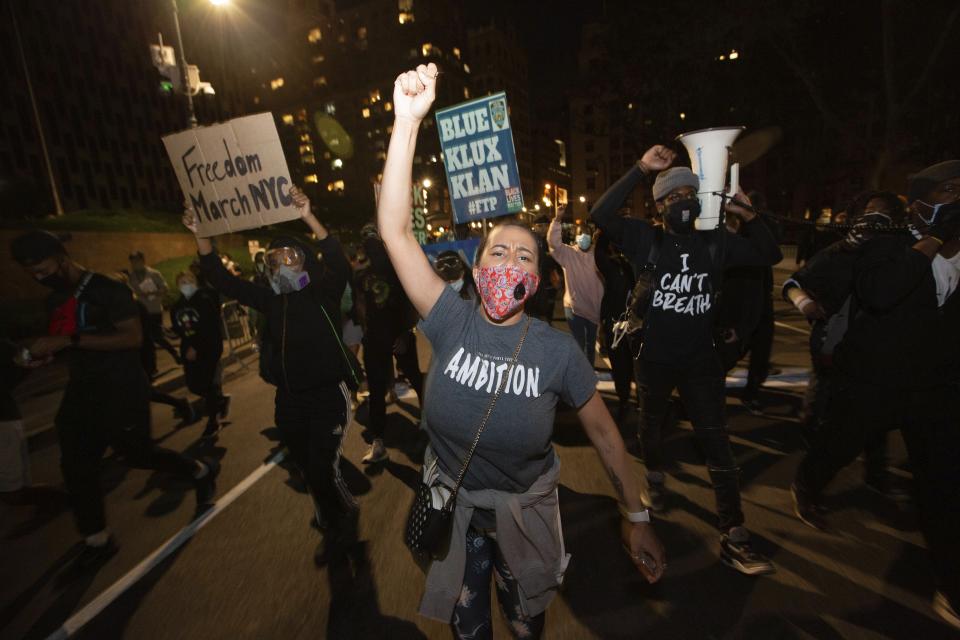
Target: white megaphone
{"type": "Point", "coordinates": [709, 151]}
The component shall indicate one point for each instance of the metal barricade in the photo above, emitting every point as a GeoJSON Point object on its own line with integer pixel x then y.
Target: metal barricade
{"type": "Point", "coordinates": [236, 329]}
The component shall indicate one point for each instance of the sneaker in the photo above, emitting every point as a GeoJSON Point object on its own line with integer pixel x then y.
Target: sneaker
{"type": "Point", "coordinates": [224, 407]}
{"type": "Point", "coordinates": [753, 406]}
{"type": "Point", "coordinates": [654, 496]}
{"type": "Point", "coordinates": [377, 452]}
{"type": "Point", "coordinates": [742, 557]}
{"type": "Point", "coordinates": [93, 557]}
{"type": "Point", "coordinates": [184, 412]}
{"type": "Point", "coordinates": [946, 610]}
{"type": "Point", "coordinates": [807, 509]}
{"type": "Point", "coordinates": [213, 428]}
{"type": "Point", "coordinates": [206, 487]}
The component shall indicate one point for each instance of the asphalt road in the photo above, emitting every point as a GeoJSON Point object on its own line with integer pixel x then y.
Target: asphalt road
{"type": "Point", "coordinates": [248, 571]}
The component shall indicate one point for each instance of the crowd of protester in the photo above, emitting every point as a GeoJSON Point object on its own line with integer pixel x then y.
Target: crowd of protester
{"type": "Point", "coordinates": [673, 308]}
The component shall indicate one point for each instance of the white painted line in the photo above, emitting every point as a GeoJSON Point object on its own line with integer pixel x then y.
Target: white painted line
{"type": "Point", "coordinates": [75, 622]}
{"type": "Point", "coordinates": [784, 325]}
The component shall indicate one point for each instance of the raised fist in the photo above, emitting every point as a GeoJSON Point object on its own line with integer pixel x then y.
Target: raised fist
{"type": "Point", "coordinates": [414, 91]}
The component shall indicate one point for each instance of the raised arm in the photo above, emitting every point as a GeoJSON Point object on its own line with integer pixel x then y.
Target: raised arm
{"type": "Point", "coordinates": [560, 252]}
{"type": "Point", "coordinates": [757, 247]}
{"type": "Point", "coordinates": [413, 94]}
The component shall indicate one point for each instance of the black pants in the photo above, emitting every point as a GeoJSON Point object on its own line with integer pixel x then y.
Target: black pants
{"type": "Point", "coordinates": [204, 379]}
{"type": "Point", "coordinates": [621, 361]}
{"type": "Point", "coordinates": [154, 330]}
{"type": "Point", "coordinates": [930, 425]}
{"type": "Point", "coordinates": [701, 387]}
{"type": "Point", "coordinates": [312, 423]}
{"type": "Point", "coordinates": [104, 413]}
{"type": "Point", "coordinates": [760, 345]}
{"type": "Point", "coordinates": [378, 354]}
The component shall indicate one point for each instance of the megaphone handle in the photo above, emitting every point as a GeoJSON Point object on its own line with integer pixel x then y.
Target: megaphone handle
{"type": "Point", "coordinates": [734, 179]}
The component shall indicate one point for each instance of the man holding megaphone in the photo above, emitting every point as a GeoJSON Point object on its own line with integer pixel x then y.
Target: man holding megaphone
{"type": "Point", "coordinates": [675, 348]}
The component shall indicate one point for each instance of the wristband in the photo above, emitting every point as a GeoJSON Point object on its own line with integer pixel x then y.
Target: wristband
{"type": "Point", "coordinates": [800, 304]}
{"type": "Point", "coordinates": [643, 168]}
{"type": "Point", "coordinates": [636, 517]}
{"type": "Point", "coordinates": [939, 241]}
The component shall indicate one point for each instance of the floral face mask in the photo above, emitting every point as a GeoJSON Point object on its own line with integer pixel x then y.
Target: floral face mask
{"type": "Point", "coordinates": [503, 289]}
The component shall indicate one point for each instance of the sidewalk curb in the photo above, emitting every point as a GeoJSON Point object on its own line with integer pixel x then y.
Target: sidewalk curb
{"type": "Point", "coordinates": [44, 437]}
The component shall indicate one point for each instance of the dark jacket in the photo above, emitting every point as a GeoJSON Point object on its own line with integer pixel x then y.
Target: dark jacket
{"type": "Point", "coordinates": [899, 337]}
{"type": "Point", "coordinates": [679, 325]}
{"type": "Point", "coordinates": [197, 322]}
{"type": "Point", "coordinates": [305, 350]}
{"type": "Point", "coordinates": [618, 280]}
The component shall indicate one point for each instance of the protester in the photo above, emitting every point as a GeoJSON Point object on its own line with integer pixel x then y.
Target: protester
{"type": "Point", "coordinates": [677, 349]}
{"type": "Point", "coordinates": [618, 282]}
{"type": "Point", "coordinates": [149, 286]}
{"type": "Point", "coordinates": [106, 402]}
{"type": "Point", "coordinates": [196, 318]}
{"type": "Point", "coordinates": [823, 290]}
{"type": "Point", "coordinates": [898, 366]}
{"type": "Point", "coordinates": [542, 304]}
{"type": "Point", "coordinates": [453, 270]}
{"type": "Point", "coordinates": [510, 485]}
{"type": "Point", "coordinates": [387, 321]}
{"type": "Point", "coordinates": [302, 309]}
{"type": "Point", "coordinates": [583, 289]}
{"type": "Point", "coordinates": [352, 327]}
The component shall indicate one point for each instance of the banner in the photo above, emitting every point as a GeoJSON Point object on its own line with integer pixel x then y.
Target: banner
{"type": "Point", "coordinates": [466, 248]}
{"type": "Point", "coordinates": [479, 158]}
{"type": "Point", "coordinates": [233, 174]}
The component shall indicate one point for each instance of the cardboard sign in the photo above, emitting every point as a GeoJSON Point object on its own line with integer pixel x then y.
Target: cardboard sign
{"type": "Point", "coordinates": [466, 248]}
{"type": "Point", "coordinates": [479, 158]}
{"type": "Point", "coordinates": [233, 174]}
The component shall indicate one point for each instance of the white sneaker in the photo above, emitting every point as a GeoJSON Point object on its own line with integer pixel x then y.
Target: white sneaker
{"type": "Point", "coordinates": [377, 452]}
{"type": "Point", "coordinates": [944, 608]}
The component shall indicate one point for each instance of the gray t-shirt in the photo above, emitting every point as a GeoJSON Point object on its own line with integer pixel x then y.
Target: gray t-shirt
{"type": "Point", "coordinates": [470, 356]}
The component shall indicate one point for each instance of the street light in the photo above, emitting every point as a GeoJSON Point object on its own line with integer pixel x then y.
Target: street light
{"type": "Point", "coordinates": [219, 3]}
{"type": "Point", "coordinates": [427, 183]}
{"type": "Point", "coordinates": [583, 198]}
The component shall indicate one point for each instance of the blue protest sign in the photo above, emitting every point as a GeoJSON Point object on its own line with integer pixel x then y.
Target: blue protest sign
{"type": "Point", "coordinates": [466, 248]}
{"type": "Point", "coordinates": [480, 159]}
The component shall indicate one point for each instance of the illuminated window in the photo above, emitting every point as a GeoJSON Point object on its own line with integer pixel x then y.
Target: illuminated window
{"type": "Point", "coordinates": [330, 108]}
{"type": "Point", "coordinates": [320, 81]}
{"type": "Point", "coordinates": [305, 137]}
{"type": "Point", "coordinates": [561, 152]}
{"type": "Point", "coordinates": [256, 99]}
{"type": "Point", "coordinates": [276, 83]}
{"type": "Point", "coordinates": [302, 115]}
{"type": "Point", "coordinates": [309, 159]}
{"type": "Point", "coordinates": [336, 185]}
{"type": "Point", "coordinates": [381, 155]}
{"type": "Point", "coordinates": [405, 18]}
{"type": "Point", "coordinates": [405, 5]}
{"type": "Point", "coordinates": [314, 35]}
{"type": "Point", "coordinates": [362, 33]}
{"type": "Point", "coordinates": [287, 118]}
{"type": "Point", "coordinates": [374, 96]}
{"type": "Point", "coordinates": [426, 49]}
{"type": "Point", "coordinates": [466, 92]}
{"type": "Point", "coordinates": [319, 58]}
{"type": "Point", "coordinates": [306, 148]}
{"type": "Point", "coordinates": [326, 155]}
{"type": "Point", "coordinates": [365, 112]}
{"type": "Point", "coordinates": [337, 163]}
{"type": "Point", "coordinates": [310, 178]}
{"type": "Point", "coordinates": [388, 106]}
{"type": "Point", "coordinates": [466, 68]}
{"type": "Point", "coordinates": [456, 52]}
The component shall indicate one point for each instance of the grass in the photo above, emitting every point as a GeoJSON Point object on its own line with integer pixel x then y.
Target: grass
{"type": "Point", "coordinates": [104, 220]}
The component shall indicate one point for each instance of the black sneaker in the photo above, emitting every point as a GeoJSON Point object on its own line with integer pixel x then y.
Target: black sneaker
{"type": "Point", "coordinates": [742, 557]}
{"type": "Point", "coordinates": [211, 431]}
{"type": "Point", "coordinates": [224, 407]}
{"type": "Point", "coordinates": [206, 487]}
{"type": "Point", "coordinates": [335, 540]}
{"type": "Point", "coordinates": [807, 509]}
{"type": "Point", "coordinates": [185, 413]}
{"type": "Point", "coordinates": [93, 557]}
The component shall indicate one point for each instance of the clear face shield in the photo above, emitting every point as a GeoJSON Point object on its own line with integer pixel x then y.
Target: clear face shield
{"type": "Point", "coordinates": [285, 266]}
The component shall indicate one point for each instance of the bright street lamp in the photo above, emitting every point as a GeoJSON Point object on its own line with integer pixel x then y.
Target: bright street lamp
{"type": "Point", "coordinates": [219, 3]}
{"type": "Point", "coordinates": [583, 198]}
{"type": "Point", "coordinates": [427, 183]}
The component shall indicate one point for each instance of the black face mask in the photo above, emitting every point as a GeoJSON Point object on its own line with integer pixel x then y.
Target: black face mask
{"type": "Point", "coordinates": [679, 216]}
{"type": "Point", "coordinates": [56, 282]}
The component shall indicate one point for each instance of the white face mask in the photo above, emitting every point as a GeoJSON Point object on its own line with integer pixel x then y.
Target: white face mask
{"type": "Point", "coordinates": [583, 241]}
{"type": "Point", "coordinates": [188, 289]}
{"type": "Point", "coordinates": [457, 285]}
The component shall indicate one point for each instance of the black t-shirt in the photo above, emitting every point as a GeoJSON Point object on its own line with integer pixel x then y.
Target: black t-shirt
{"type": "Point", "coordinates": [197, 321]}
{"type": "Point", "coordinates": [100, 305]}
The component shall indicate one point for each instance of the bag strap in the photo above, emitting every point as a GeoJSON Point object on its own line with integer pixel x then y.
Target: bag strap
{"type": "Point", "coordinates": [343, 350]}
{"type": "Point", "coordinates": [87, 275]}
{"type": "Point", "coordinates": [486, 416]}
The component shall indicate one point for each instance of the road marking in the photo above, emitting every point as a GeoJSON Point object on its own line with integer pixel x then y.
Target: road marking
{"type": "Point", "coordinates": [784, 325]}
{"type": "Point", "coordinates": [75, 622]}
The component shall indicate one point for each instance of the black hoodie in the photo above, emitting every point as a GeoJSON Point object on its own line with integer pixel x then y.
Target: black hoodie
{"type": "Point", "coordinates": [304, 346]}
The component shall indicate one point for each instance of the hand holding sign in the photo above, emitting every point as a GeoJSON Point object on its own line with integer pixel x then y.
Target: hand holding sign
{"type": "Point", "coordinates": [414, 93]}
{"type": "Point", "coordinates": [301, 202]}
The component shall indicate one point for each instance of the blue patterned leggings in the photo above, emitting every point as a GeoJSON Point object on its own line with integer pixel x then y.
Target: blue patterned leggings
{"type": "Point", "coordinates": [471, 616]}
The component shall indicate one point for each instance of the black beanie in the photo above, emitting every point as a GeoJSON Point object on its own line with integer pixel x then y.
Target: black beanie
{"type": "Point", "coordinates": [920, 183]}
{"type": "Point", "coordinates": [36, 246]}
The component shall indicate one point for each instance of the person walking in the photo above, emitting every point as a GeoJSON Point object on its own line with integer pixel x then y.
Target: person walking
{"type": "Point", "coordinates": [494, 360]}
{"type": "Point", "coordinates": [149, 286]}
